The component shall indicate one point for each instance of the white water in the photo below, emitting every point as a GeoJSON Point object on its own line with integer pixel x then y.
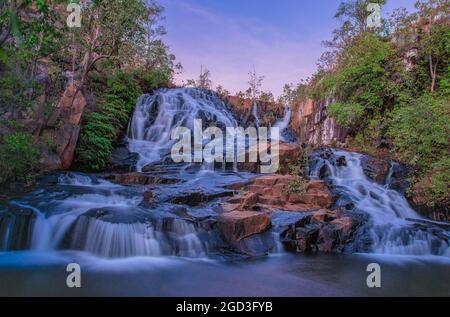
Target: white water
{"type": "Point", "coordinates": [157, 114]}
{"type": "Point", "coordinates": [255, 114]}
{"type": "Point", "coordinates": [283, 124]}
{"type": "Point", "coordinates": [108, 239]}
{"type": "Point", "coordinates": [390, 231]}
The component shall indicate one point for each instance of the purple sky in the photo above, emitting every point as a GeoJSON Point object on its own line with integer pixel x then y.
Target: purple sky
{"type": "Point", "coordinates": [281, 39]}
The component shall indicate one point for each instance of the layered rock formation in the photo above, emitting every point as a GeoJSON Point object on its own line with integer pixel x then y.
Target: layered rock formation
{"type": "Point", "coordinates": [310, 120]}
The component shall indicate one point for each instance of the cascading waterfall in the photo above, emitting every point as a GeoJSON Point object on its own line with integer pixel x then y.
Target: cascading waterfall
{"type": "Point", "coordinates": [283, 124]}
{"type": "Point", "coordinates": [158, 114]}
{"type": "Point", "coordinates": [76, 222]}
{"type": "Point", "coordinates": [390, 229]}
{"type": "Point", "coordinates": [255, 113]}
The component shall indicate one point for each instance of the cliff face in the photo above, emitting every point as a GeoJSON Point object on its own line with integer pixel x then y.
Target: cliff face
{"type": "Point", "coordinates": [311, 122]}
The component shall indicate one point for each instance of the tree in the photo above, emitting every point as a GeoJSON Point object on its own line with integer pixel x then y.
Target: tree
{"type": "Point", "coordinates": [203, 81]}
{"type": "Point", "coordinates": [255, 83]}
{"type": "Point", "coordinates": [433, 23]}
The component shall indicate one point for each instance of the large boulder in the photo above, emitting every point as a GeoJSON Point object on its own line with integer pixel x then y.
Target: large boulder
{"type": "Point", "coordinates": [238, 225]}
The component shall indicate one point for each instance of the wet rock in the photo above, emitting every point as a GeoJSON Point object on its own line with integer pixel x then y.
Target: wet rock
{"type": "Point", "coordinates": [196, 198]}
{"type": "Point", "coordinates": [324, 231]}
{"type": "Point", "coordinates": [149, 196]}
{"type": "Point", "coordinates": [399, 177]}
{"type": "Point", "coordinates": [326, 154]}
{"type": "Point", "coordinates": [341, 161]}
{"type": "Point", "coordinates": [324, 215]}
{"type": "Point", "coordinates": [238, 225]}
{"type": "Point", "coordinates": [122, 159]}
{"type": "Point", "coordinates": [375, 169]}
{"type": "Point", "coordinates": [135, 178]}
{"type": "Point", "coordinates": [131, 179]}
{"type": "Point", "coordinates": [256, 245]}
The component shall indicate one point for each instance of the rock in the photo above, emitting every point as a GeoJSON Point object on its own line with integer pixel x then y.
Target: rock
{"type": "Point", "coordinates": [324, 215]}
{"type": "Point", "coordinates": [375, 169]}
{"type": "Point", "coordinates": [246, 201]}
{"type": "Point", "coordinates": [398, 177]}
{"type": "Point", "coordinates": [238, 225]}
{"type": "Point", "coordinates": [314, 126]}
{"type": "Point", "coordinates": [325, 231]}
{"type": "Point", "coordinates": [149, 196]}
{"type": "Point", "coordinates": [341, 161]}
{"type": "Point", "coordinates": [122, 159]}
{"type": "Point", "coordinates": [63, 125]}
{"type": "Point", "coordinates": [289, 155]}
{"type": "Point", "coordinates": [133, 178]}
{"type": "Point", "coordinates": [136, 178]}
{"type": "Point", "coordinates": [197, 198]}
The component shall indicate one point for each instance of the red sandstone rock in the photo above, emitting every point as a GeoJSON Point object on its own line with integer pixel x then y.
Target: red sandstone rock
{"type": "Point", "coordinates": [238, 225]}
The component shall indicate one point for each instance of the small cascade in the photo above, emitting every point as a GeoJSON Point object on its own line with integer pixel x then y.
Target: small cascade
{"type": "Point", "coordinates": [255, 114]}
{"type": "Point", "coordinates": [283, 124]}
{"type": "Point", "coordinates": [390, 227]}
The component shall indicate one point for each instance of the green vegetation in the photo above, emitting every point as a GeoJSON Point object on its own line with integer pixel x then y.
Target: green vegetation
{"type": "Point", "coordinates": [100, 129]}
{"type": "Point", "coordinates": [18, 158]}
{"type": "Point", "coordinates": [346, 114]}
{"type": "Point", "coordinates": [296, 186]}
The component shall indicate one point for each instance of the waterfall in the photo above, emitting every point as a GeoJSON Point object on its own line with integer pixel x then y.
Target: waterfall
{"type": "Point", "coordinates": [255, 113]}
{"type": "Point", "coordinates": [283, 124]}
{"type": "Point", "coordinates": [157, 114]}
{"type": "Point", "coordinates": [390, 230]}
{"type": "Point", "coordinates": [100, 218]}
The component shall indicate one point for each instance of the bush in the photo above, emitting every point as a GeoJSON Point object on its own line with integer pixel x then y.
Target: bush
{"type": "Point", "coordinates": [420, 130]}
{"type": "Point", "coordinates": [346, 114]}
{"type": "Point", "coordinates": [420, 136]}
{"type": "Point", "coordinates": [438, 193]}
{"type": "Point", "coordinates": [152, 80]}
{"type": "Point", "coordinates": [19, 157]}
{"type": "Point", "coordinates": [100, 129]}
{"type": "Point", "coordinates": [296, 186]}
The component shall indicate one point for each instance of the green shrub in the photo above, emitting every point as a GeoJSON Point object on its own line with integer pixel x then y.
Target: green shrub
{"type": "Point", "coordinates": [346, 114]}
{"type": "Point", "coordinates": [19, 157]}
{"type": "Point", "coordinates": [296, 186]}
{"type": "Point", "coordinates": [100, 129]}
{"type": "Point", "coordinates": [438, 192]}
{"type": "Point", "coordinates": [420, 130]}
{"type": "Point", "coordinates": [152, 80]}
{"type": "Point", "coordinates": [420, 136]}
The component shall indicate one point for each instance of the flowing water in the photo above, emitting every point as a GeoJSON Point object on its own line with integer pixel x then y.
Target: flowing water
{"type": "Point", "coordinates": [170, 245]}
{"type": "Point", "coordinates": [391, 228]}
{"type": "Point", "coordinates": [283, 124]}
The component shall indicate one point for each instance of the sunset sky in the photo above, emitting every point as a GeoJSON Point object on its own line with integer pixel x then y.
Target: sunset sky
{"type": "Point", "coordinates": [281, 39]}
